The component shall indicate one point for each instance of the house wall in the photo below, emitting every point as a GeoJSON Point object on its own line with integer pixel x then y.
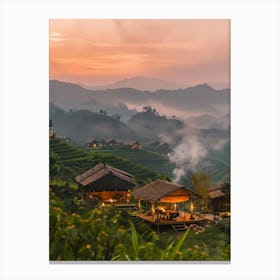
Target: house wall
{"type": "Point", "coordinates": [220, 204]}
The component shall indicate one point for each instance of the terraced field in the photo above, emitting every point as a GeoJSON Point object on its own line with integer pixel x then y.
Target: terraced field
{"type": "Point", "coordinates": [157, 162]}
{"type": "Point", "coordinates": [78, 160]}
{"type": "Point", "coordinates": [143, 164]}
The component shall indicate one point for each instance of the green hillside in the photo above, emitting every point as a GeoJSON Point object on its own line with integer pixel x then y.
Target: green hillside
{"type": "Point", "coordinates": [77, 160]}
{"type": "Point", "coordinates": [159, 163]}
{"type": "Point", "coordinates": [143, 164]}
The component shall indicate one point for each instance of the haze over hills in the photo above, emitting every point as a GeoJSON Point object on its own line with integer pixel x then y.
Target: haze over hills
{"type": "Point", "coordinates": [193, 101]}
{"type": "Point", "coordinates": [141, 83]}
{"type": "Point", "coordinates": [186, 147]}
{"type": "Point", "coordinates": [150, 84]}
{"type": "Point", "coordinates": [84, 125]}
{"type": "Point", "coordinates": [207, 121]}
{"type": "Point", "coordinates": [147, 126]}
{"type": "Point", "coordinates": [193, 122]}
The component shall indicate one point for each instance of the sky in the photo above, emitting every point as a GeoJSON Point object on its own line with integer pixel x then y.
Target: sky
{"type": "Point", "coordinates": [97, 52]}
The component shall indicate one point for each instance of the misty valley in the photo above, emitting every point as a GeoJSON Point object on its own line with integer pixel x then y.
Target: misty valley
{"type": "Point", "coordinates": [195, 140]}
{"type": "Point", "coordinates": [139, 174]}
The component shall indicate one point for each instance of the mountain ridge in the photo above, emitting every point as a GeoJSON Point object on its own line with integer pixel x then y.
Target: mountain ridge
{"type": "Point", "coordinates": [141, 83]}
{"type": "Point", "coordinates": [200, 98]}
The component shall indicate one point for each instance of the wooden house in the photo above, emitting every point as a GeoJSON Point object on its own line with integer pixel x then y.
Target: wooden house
{"type": "Point", "coordinates": [131, 144]}
{"type": "Point", "coordinates": [136, 146]}
{"type": "Point", "coordinates": [162, 197]}
{"type": "Point", "coordinates": [113, 143]}
{"type": "Point", "coordinates": [52, 133]}
{"type": "Point", "coordinates": [106, 184]}
{"type": "Point", "coordinates": [103, 142]}
{"type": "Point", "coordinates": [93, 143]}
{"type": "Point", "coordinates": [220, 200]}
{"type": "Point", "coordinates": [109, 142]}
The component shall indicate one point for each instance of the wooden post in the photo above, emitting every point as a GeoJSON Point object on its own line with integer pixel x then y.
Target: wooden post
{"type": "Point", "coordinates": [139, 206]}
{"type": "Point", "coordinates": [157, 219]}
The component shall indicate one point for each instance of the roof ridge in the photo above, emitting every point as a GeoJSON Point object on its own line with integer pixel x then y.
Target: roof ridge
{"type": "Point", "coordinates": [100, 170]}
{"type": "Point", "coordinates": [160, 188]}
{"type": "Point", "coordinates": [168, 182]}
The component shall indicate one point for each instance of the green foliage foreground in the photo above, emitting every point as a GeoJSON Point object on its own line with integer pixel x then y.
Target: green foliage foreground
{"type": "Point", "coordinates": [106, 234]}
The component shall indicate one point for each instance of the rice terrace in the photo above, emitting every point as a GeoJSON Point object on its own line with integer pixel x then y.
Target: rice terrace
{"type": "Point", "coordinates": [139, 140]}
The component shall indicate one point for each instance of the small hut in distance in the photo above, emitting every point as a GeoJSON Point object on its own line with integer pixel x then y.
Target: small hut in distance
{"type": "Point", "coordinates": [106, 184]}
{"type": "Point", "coordinates": [130, 144]}
{"type": "Point", "coordinates": [93, 143]}
{"type": "Point", "coordinates": [52, 133]}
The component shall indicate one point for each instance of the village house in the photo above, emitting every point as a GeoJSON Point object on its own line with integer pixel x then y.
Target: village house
{"type": "Point", "coordinates": [105, 184]}
{"type": "Point", "coordinates": [131, 144]}
{"type": "Point", "coordinates": [112, 142]}
{"type": "Point", "coordinates": [94, 143]}
{"type": "Point", "coordinates": [159, 203]}
{"type": "Point", "coordinates": [220, 200]}
{"type": "Point", "coordinates": [52, 133]}
{"type": "Point", "coordinates": [109, 143]}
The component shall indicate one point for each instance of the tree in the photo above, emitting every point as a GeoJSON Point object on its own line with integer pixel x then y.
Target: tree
{"type": "Point", "coordinates": [201, 181]}
{"type": "Point", "coordinates": [147, 109]}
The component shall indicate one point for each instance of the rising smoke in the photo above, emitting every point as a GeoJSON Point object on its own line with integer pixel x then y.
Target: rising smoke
{"type": "Point", "coordinates": [190, 150]}
{"type": "Point", "coordinates": [186, 156]}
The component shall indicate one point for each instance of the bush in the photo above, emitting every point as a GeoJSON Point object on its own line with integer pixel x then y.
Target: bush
{"type": "Point", "coordinates": [107, 234]}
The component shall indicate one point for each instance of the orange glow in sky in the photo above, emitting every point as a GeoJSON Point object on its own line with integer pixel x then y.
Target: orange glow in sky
{"type": "Point", "coordinates": [94, 52]}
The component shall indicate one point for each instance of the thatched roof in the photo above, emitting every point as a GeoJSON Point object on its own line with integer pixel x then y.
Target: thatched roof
{"type": "Point", "coordinates": [101, 170]}
{"type": "Point", "coordinates": [109, 141]}
{"type": "Point", "coordinates": [92, 141]}
{"type": "Point", "coordinates": [215, 191]}
{"type": "Point", "coordinates": [215, 187]}
{"type": "Point", "coordinates": [158, 189]}
{"type": "Point", "coordinates": [215, 194]}
{"type": "Point", "coordinates": [128, 142]}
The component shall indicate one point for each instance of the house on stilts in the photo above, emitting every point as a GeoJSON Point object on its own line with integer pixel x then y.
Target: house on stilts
{"type": "Point", "coordinates": [164, 203]}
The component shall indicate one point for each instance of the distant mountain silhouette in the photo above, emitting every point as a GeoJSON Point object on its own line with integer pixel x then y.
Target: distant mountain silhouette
{"type": "Point", "coordinates": [201, 98]}
{"type": "Point", "coordinates": [141, 83]}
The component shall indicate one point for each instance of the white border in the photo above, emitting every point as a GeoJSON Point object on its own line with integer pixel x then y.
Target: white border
{"type": "Point", "coordinates": [255, 138]}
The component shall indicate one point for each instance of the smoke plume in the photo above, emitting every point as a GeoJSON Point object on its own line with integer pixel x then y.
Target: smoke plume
{"type": "Point", "coordinates": [190, 149]}
{"type": "Point", "coordinates": [186, 156]}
